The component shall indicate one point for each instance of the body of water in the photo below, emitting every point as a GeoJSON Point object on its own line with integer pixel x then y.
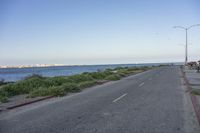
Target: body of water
{"type": "Point", "coordinates": [15, 74]}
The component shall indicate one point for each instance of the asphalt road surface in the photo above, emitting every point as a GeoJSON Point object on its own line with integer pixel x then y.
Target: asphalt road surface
{"type": "Point", "coordinates": [151, 102]}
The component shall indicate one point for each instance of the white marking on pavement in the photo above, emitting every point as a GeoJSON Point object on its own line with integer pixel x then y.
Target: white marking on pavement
{"type": "Point", "coordinates": [141, 84]}
{"type": "Point", "coordinates": [119, 97]}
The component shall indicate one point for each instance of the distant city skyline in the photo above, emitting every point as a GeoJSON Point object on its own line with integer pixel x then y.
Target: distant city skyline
{"type": "Point", "coordinates": [84, 32]}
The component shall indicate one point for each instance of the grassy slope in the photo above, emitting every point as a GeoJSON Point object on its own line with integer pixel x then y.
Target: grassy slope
{"type": "Point", "coordinates": [36, 85]}
{"type": "Point", "coordinates": [195, 91]}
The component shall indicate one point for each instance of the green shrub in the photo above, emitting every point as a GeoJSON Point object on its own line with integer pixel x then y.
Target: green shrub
{"type": "Point", "coordinates": [86, 84]}
{"type": "Point", "coordinates": [123, 71]}
{"type": "Point", "coordinates": [80, 78]}
{"type": "Point", "coordinates": [55, 90]}
{"type": "Point", "coordinates": [56, 81]}
{"type": "Point", "coordinates": [118, 68]}
{"type": "Point", "coordinates": [70, 87]}
{"type": "Point", "coordinates": [100, 75]}
{"type": "Point", "coordinates": [3, 99]}
{"type": "Point", "coordinates": [113, 77]}
{"type": "Point", "coordinates": [3, 92]}
{"type": "Point", "coordinates": [109, 69]}
{"type": "Point", "coordinates": [31, 83]}
{"type": "Point", "coordinates": [122, 74]}
{"type": "Point", "coordinates": [51, 91]}
{"type": "Point", "coordinates": [23, 86]}
{"type": "Point", "coordinates": [195, 91]}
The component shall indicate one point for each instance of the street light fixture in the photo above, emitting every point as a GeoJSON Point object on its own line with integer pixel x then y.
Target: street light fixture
{"type": "Point", "coordinates": [186, 45]}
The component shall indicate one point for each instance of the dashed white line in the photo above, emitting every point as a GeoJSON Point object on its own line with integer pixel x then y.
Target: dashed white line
{"type": "Point", "coordinates": [119, 98]}
{"type": "Point", "coordinates": [141, 84]}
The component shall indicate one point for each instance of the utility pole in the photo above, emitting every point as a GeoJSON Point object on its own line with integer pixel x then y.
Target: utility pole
{"type": "Point", "coordinates": [186, 43]}
{"type": "Point", "coordinates": [186, 47]}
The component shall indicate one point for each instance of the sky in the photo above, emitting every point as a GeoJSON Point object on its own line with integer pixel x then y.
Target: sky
{"type": "Point", "coordinates": [80, 32]}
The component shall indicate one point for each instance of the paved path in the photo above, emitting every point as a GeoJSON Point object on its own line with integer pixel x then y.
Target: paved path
{"type": "Point", "coordinates": [151, 102]}
{"type": "Point", "coordinates": [193, 82]}
{"type": "Point", "coordinates": [193, 78]}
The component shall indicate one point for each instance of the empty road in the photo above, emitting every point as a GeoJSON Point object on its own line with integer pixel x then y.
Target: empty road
{"type": "Point", "coordinates": [151, 102]}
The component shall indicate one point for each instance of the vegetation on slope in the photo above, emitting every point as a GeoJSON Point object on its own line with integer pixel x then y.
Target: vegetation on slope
{"type": "Point", "coordinates": [195, 91]}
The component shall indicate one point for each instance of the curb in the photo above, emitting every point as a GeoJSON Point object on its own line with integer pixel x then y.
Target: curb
{"type": "Point", "coordinates": [26, 103]}
{"type": "Point", "coordinates": [193, 97]}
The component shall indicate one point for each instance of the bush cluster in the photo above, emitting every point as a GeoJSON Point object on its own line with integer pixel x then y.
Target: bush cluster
{"type": "Point", "coordinates": [195, 92]}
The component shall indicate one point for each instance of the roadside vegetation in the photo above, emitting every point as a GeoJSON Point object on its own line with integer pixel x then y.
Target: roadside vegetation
{"type": "Point", "coordinates": [37, 85]}
{"type": "Point", "coordinates": [195, 91]}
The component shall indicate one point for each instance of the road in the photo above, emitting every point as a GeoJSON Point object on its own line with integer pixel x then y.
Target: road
{"type": "Point", "coordinates": [151, 102]}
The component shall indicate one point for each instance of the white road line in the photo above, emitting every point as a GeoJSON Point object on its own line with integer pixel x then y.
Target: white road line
{"type": "Point", "coordinates": [119, 98]}
{"type": "Point", "coordinates": [141, 84]}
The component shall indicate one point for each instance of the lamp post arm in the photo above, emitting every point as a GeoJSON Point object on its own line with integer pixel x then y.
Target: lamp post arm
{"type": "Point", "coordinates": [180, 27]}
{"type": "Point", "coordinates": [193, 26]}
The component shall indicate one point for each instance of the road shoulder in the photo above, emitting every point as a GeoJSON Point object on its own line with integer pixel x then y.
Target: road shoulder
{"type": "Point", "coordinates": [191, 124]}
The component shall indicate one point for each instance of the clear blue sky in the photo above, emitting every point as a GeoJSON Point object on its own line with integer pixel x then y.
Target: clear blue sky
{"type": "Point", "coordinates": [96, 31]}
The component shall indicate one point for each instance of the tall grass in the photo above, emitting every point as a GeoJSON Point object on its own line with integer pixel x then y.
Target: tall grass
{"type": "Point", "coordinates": [195, 91]}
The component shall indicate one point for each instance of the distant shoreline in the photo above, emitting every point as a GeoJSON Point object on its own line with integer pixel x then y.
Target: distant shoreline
{"type": "Point", "coordinates": [30, 66]}
{"type": "Point", "coordinates": [62, 65]}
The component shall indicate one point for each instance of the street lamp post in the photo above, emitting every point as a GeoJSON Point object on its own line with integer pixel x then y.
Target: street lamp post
{"type": "Point", "coordinates": [186, 39]}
